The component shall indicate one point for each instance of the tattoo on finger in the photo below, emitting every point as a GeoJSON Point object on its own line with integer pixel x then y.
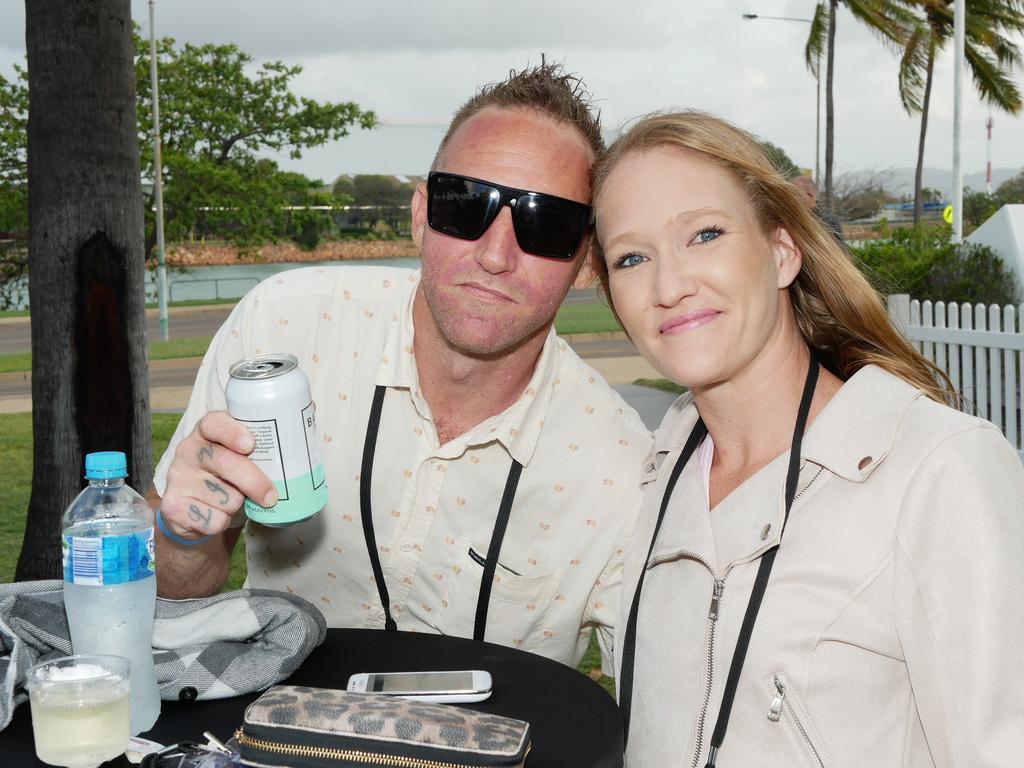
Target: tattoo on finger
{"type": "Point", "coordinates": [206, 453]}
{"type": "Point", "coordinates": [217, 488]}
{"type": "Point", "coordinates": [200, 516]}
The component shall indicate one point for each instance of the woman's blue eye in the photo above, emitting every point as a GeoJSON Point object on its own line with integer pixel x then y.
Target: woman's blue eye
{"type": "Point", "coordinates": [629, 260]}
{"type": "Point", "coordinates": [708, 234]}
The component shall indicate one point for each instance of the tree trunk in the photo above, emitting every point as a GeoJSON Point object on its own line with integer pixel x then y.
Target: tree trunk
{"type": "Point", "coordinates": [829, 108]}
{"type": "Point", "coordinates": [90, 385]}
{"type": "Point", "coordinates": [919, 171]}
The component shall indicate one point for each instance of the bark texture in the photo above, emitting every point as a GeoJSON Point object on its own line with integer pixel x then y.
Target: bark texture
{"type": "Point", "coordinates": [90, 385]}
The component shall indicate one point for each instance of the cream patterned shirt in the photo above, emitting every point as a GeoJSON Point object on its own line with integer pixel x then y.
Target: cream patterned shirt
{"type": "Point", "coordinates": [434, 506]}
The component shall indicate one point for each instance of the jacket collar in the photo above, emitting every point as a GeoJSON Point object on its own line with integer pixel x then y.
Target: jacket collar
{"type": "Point", "coordinates": [856, 430]}
{"type": "Point", "coordinates": [859, 422]}
{"type": "Point", "coordinates": [850, 438]}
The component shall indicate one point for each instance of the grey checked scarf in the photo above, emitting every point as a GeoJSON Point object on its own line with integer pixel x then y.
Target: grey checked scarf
{"type": "Point", "coordinates": [221, 646]}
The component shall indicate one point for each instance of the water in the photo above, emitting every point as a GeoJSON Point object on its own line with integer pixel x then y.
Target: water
{"type": "Point", "coordinates": [235, 280]}
{"type": "Point", "coordinates": [230, 281]}
{"type": "Point", "coordinates": [113, 620]}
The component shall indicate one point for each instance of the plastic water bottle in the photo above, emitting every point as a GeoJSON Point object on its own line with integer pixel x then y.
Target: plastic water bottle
{"type": "Point", "coordinates": [110, 577]}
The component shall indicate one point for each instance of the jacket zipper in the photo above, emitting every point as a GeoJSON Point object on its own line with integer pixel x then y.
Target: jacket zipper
{"type": "Point", "coordinates": [354, 756]}
{"type": "Point", "coordinates": [775, 714]}
{"type": "Point", "coordinates": [716, 599]}
{"type": "Point", "coordinates": [809, 484]}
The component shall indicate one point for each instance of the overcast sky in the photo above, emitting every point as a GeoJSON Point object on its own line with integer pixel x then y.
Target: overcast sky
{"type": "Point", "coordinates": [413, 62]}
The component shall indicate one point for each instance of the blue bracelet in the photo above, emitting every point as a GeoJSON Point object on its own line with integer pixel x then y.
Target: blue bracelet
{"type": "Point", "coordinates": [175, 537]}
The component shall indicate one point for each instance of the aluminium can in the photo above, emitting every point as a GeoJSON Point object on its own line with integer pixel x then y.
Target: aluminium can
{"type": "Point", "coordinates": [270, 395]}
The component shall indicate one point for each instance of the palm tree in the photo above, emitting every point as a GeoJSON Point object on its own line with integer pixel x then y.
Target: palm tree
{"type": "Point", "coordinates": [990, 56]}
{"type": "Point", "coordinates": [888, 19]}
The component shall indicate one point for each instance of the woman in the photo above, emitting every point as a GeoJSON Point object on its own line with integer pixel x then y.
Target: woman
{"type": "Point", "coordinates": [832, 552]}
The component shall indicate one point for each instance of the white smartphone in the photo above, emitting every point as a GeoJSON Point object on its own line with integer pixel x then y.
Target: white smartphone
{"type": "Point", "coordinates": [466, 685]}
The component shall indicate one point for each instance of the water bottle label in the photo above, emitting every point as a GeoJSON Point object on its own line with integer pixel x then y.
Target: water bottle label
{"type": "Point", "coordinates": [105, 560]}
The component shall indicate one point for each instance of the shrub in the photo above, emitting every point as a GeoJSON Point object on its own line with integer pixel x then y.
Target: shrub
{"type": "Point", "coordinates": [922, 262]}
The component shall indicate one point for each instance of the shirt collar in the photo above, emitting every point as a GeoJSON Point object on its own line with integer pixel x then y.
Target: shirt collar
{"type": "Point", "coordinates": [398, 362]}
{"type": "Point", "coordinates": [518, 427]}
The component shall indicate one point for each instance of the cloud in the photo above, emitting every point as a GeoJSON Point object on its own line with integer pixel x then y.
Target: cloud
{"type": "Point", "coordinates": [414, 62]}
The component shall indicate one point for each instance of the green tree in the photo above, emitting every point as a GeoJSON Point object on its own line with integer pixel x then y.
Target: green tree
{"type": "Point", "coordinates": [220, 116]}
{"type": "Point", "coordinates": [887, 19]}
{"type": "Point", "coordinates": [861, 195]}
{"type": "Point", "coordinates": [989, 50]}
{"type": "Point", "coordinates": [1011, 191]}
{"type": "Point", "coordinates": [13, 185]}
{"type": "Point", "coordinates": [780, 160]}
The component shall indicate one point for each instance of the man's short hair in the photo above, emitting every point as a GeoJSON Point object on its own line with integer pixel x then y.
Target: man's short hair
{"type": "Point", "coordinates": [545, 89]}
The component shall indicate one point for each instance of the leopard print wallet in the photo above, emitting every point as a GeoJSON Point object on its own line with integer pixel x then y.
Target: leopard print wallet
{"type": "Point", "coordinates": [297, 726]}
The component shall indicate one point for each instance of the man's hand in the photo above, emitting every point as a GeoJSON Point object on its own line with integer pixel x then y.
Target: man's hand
{"type": "Point", "coordinates": [211, 476]}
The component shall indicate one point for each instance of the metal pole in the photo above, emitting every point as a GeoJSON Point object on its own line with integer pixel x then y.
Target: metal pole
{"type": "Point", "coordinates": [988, 154]}
{"type": "Point", "coordinates": [817, 125]}
{"type": "Point", "coordinates": [158, 182]}
{"type": "Point", "coordinates": [959, 18]}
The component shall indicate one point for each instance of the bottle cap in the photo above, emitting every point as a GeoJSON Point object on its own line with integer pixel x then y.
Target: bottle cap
{"type": "Point", "coordinates": [104, 465]}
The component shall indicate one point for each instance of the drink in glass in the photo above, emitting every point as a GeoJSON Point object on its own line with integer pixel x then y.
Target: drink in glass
{"type": "Point", "coordinates": [80, 709]}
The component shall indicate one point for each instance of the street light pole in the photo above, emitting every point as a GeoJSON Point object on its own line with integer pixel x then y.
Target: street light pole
{"type": "Point", "coordinates": [959, 19]}
{"type": "Point", "coordinates": [817, 95]}
{"type": "Point", "coordinates": [158, 183]}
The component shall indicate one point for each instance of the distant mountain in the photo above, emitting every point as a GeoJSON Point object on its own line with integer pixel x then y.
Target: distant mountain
{"type": "Point", "coordinates": [901, 180]}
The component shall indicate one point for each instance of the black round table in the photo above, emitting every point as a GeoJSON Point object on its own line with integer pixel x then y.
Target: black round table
{"type": "Point", "coordinates": [573, 721]}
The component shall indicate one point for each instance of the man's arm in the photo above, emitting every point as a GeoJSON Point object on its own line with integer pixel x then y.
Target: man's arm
{"type": "Point", "coordinates": [207, 482]}
{"type": "Point", "coordinates": [191, 571]}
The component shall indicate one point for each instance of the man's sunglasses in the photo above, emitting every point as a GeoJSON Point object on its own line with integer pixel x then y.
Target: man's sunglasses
{"type": "Point", "coordinates": [545, 225]}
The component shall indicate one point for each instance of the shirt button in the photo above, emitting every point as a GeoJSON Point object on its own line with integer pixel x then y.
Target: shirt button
{"type": "Point", "coordinates": [765, 531]}
{"type": "Point", "coordinates": [864, 462]}
{"type": "Point", "coordinates": [406, 547]}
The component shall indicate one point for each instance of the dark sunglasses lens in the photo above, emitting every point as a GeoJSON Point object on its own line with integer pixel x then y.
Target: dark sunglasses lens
{"type": "Point", "coordinates": [550, 226]}
{"type": "Point", "coordinates": [461, 207]}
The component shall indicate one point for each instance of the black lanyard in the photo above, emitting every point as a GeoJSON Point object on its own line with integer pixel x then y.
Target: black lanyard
{"type": "Point", "coordinates": [760, 581]}
{"type": "Point", "coordinates": [493, 550]}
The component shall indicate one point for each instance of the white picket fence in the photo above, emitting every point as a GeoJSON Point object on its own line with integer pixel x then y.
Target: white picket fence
{"type": "Point", "coordinates": [979, 346]}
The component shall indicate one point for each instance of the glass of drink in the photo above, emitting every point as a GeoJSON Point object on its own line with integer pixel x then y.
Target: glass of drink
{"type": "Point", "coordinates": [79, 709]}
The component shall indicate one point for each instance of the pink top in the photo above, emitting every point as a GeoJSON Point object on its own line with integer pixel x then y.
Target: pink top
{"type": "Point", "coordinates": [706, 454]}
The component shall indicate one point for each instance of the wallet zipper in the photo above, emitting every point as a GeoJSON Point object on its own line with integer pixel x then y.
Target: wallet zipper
{"type": "Point", "coordinates": [355, 756]}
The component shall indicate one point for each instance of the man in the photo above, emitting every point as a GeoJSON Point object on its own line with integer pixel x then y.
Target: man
{"type": "Point", "coordinates": [809, 198]}
{"type": "Point", "coordinates": [474, 384]}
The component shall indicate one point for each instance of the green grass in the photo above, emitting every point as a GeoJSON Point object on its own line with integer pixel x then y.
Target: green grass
{"type": "Point", "coordinates": [16, 483]}
{"type": "Point", "coordinates": [194, 346]}
{"type": "Point", "coordinates": [192, 303]}
{"type": "Point", "coordinates": [574, 318]}
{"type": "Point", "coordinates": [16, 361]}
{"type": "Point", "coordinates": [585, 318]}
{"type": "Point", "coordinates": [15, 486]}
{"type": "Point", "coordinates": [149, 305]}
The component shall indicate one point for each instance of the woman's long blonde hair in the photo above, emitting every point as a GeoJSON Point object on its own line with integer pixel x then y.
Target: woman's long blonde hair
{"type": "Point", "coordinates": [838, 313]}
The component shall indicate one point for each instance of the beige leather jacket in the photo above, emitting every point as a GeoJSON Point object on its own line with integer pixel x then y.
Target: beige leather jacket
{"type": "Point", "coordinates": [892, 629]}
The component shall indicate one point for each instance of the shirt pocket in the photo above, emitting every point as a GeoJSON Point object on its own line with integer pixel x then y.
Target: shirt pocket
{"type": "Point", "coordinates": [796, 729]}
{"type": "Point", "coordinates": [518, 607]}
